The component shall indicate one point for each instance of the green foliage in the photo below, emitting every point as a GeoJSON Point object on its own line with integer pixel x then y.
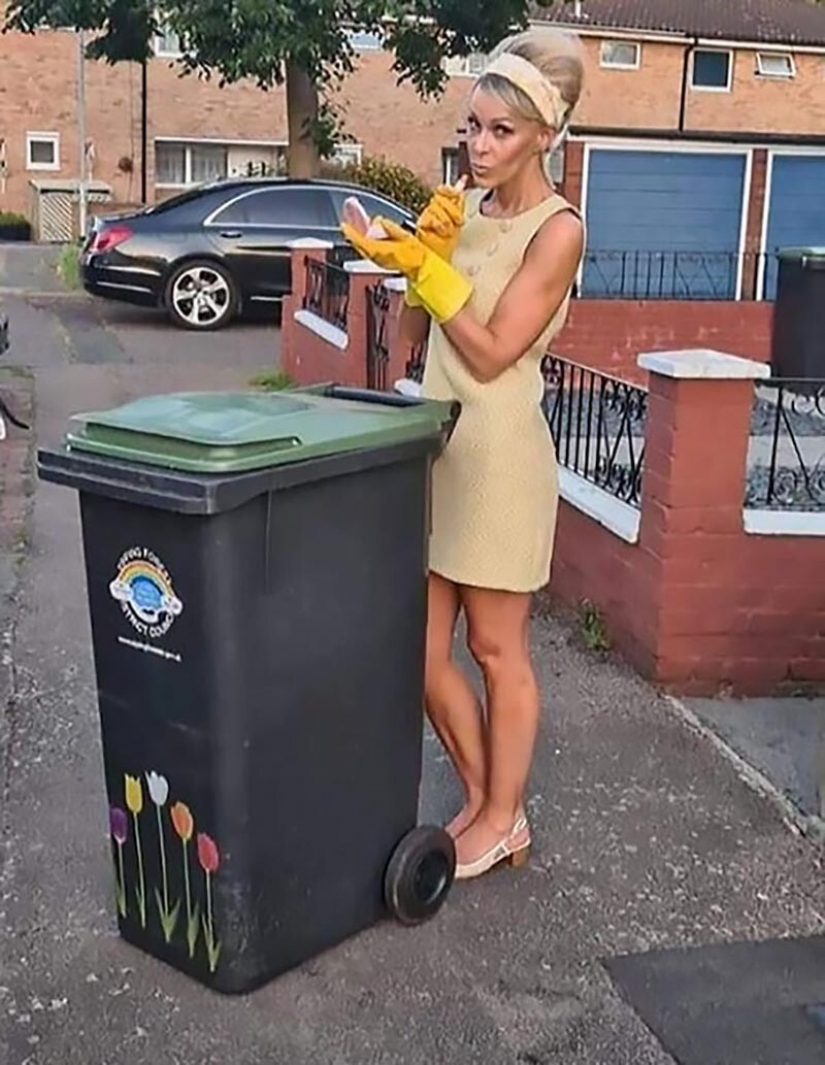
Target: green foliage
{"type": "Point", "coordinates": [68, 266]}
{"type": "Point", "coordinates": [382, 175]}
{"type": "Point", "coordinates": [236, 39]}
{"type": "Point", "coordinates": [273, 381]}
{"type": "Point", "coordinates": [11, 218]}
{"type": "Point", "coordinates": [593, 630]}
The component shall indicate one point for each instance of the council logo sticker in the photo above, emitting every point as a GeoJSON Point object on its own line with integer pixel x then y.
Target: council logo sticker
{"type": "Point", "coordinates": [143, 587]}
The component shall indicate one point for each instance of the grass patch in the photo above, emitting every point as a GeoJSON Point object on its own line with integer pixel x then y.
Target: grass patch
{"type": "Point", "coordinates": [68, 266]}
{"type": "Point", "coordinates": [273, 381]}
{"type": "Point", "coordinates": [592, 627]}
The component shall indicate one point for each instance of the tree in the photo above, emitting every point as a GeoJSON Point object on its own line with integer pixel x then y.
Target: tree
{"type": "Point", "coordinates": [304, 44]}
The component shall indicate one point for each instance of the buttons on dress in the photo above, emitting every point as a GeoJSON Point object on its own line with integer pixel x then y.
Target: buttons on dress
{"type": "Point", "coordinates": [473, 270]}
{"type": "Point", "coordinates": [493, 248]}
{"type": "Point", "coordinates": [505, 226]}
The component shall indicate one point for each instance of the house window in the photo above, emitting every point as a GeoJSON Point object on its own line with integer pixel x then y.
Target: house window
{"type": "Point", "coordinates": [179, 165]}
{"type": "Point", "coordinates": [775, 65]}
{"type": "Point", "coordinates": [621, 55]}
{"type": "Point", "coordinates": [362, 41]}
{"type": "Point", "coordinates": [168, 44]}
{"type": "Point", "coordinates": [712, 70]}
{"type": "Point", "coordinates": [449, 166]}
{"type": "Point", "coordinates": [42, 151]}
{"type": "Point", "coordinates": [208, 162]}
{"type": "Point", "coordinates": [348, 155]}
{"type": "Point", "coordinates": [466, 66]}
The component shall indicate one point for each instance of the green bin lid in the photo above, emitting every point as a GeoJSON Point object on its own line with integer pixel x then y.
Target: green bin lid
{"type": "Point", "coordinates": [225, 432]}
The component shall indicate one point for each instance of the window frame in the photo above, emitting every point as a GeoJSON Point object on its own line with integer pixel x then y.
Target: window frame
{"type": "Point", "coordinates": [190, 145]}
{"type": "Point", "coordinates": [449, 165]}
{"type": "Point", "coordinates": [620, 66]}
{"type": "Point", "coordinates": [46, 137]}
{"type": "Point", "coordinates": [213, 219]}
{"type": "Point", "coordinates": [353, 149]}
{"type": "Point", "coordinates": [712, 88]}
{"type": "Point", "coordinates": [162, 53]}
{"type": "Point", "coordinates": [773, 76]}
{"type": "Point", "coordinates": [459, 66]}
{"type": "Point", "coordinates": [365, 41]}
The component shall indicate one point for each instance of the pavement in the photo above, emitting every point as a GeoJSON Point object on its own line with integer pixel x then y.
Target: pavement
{"type": "Point", "coordinates": [646, 834]}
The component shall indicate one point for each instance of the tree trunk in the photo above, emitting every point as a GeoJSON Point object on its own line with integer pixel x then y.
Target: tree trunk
{"type": "Point", "coordinates": [302, 111]}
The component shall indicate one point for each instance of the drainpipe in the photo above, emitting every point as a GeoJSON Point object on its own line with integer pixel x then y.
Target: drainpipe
{"type": "Point", "coordinates": [691, 48]}
{"type": "Point", "coordinates": [144, 136]}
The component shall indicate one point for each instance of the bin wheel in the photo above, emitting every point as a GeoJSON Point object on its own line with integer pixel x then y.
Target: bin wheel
{"type": "Point", "coordinates": [419, 875]}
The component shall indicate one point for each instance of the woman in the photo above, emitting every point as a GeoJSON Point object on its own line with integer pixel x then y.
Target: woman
{"type": "Point", "coordinates": [489, 279]}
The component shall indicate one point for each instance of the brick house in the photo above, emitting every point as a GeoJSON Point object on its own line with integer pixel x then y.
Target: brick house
{"type": "Point", "coordinates": [721, 124]}
{"type": "Point", "coordinates": [699, 148]}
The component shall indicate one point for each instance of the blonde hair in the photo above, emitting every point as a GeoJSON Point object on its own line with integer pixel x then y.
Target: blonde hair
{"type": "Point", "coordinates": [555, 54]}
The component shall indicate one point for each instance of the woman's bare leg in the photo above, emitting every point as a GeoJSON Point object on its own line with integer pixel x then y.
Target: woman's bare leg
{"type": "Point", "coordinates": [498, 624]}
{"type": "Point", "coordinates": [452, 705]}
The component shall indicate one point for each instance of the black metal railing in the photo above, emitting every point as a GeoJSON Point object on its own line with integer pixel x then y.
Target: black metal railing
{"type": "Point", "coordinates": [379, 302]}
{"type": "Point", "coordinates": [598, 425]}
{"type": "Point", "coordinates": [414, 369]}
{"type": "Point", "coordinates": [675, 275]}
{"type": "Point", "coordinates": [327, 292]}
{"type": "Point", "coordinates": [786, 454]}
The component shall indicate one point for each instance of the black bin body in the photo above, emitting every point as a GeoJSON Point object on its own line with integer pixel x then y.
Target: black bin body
{"type": "Point", "coordinates": [798, 341]}
{"type": "Point", "coordinates": [275, 711]}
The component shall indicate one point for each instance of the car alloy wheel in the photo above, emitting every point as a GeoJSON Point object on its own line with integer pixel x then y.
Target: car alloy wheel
{"type": "Point", "coordinates": [201, 296]}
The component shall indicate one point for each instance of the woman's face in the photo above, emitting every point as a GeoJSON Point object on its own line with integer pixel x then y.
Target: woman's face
{"type": "Point", "coordinates": [501, 142]}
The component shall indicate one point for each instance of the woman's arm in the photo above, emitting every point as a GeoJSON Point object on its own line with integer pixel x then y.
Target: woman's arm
{"type": "Point", "coordinates": [526, 306]}
{"type": "Point", "coordinates": [413, 325]}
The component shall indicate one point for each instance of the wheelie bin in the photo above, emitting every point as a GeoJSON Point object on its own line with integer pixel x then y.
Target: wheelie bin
{"type": "Point", "coordinates": [256, 574]}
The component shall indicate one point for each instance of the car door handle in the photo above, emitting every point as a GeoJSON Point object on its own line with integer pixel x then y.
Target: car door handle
{"type": "Point", "coordinates": [231, 234]}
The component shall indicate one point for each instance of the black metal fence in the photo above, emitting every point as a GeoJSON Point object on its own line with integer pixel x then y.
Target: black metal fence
{"type": "Point", "coordinates": [327, 292]}
{"type": "Point", "coordinates": [673, 275]}
{"type": "Point", "coordinates": [598, 425]}
{"type": "Point", "coordinates": [786, 455]}
{"type": "Point", "coordinates": [414, 370]}
{"type": "Point", "coordinates": [379, 303]}
{"type": "Point", "coordinates": [379, 310]}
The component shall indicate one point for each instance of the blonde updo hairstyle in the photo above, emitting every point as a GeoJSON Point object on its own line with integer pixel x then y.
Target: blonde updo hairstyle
{"type": "Point", "coordinates": [555, 54]}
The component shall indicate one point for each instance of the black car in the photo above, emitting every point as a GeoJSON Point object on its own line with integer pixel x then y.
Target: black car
{"type": "Point", "coordinates": [208, 253]}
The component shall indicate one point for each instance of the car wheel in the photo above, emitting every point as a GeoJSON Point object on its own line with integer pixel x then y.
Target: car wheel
{"type": "Point", "coordinates": [419, 875]}
{"type": "Point", "coordinates": [202, 295]}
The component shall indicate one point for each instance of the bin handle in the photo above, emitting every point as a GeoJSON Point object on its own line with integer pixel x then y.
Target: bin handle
{"type": "Point", "coordinates": [366, 395]}
{"type": "Point", "coordinates": [389, 399]}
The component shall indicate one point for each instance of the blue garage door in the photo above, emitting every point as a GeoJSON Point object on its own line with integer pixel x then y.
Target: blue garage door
{"type": "Point", "coordinates": [797, 209]}
{"type": "Point", "coordinates": [663, 225]}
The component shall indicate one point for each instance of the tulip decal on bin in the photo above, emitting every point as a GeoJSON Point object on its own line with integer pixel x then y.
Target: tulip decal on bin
{"type": "Point", "coordinates": [119, 830]}
{"type": "Point", "coordinates": [210, 859]}
{"type": "Point", "coordinates": [134, 802]}
{"type": "Point", "coordinates": [159, 793]}
{"type": "Point", "coordinates": [185, 826]}
{"type": "Point", "coordinates": [199, 911]}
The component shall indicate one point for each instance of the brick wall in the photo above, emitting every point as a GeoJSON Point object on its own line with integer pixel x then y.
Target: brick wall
{"type": "Point", "coordinates": [699, 605]}
{"type": "Point", "coordinates": [609, 334]}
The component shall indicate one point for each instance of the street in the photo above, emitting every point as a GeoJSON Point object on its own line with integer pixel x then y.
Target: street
{"type": "Point", "coordinates": [645, 836]}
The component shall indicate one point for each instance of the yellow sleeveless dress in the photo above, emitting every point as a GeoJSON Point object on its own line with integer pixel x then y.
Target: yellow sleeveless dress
{"type": "Point", "coordinates": [495, 486]}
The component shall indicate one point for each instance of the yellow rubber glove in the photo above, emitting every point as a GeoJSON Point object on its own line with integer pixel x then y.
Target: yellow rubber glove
{"type": "Point", "coordinates": [441, 290]}
{"type": "Point", "coordinates": [439, 226]}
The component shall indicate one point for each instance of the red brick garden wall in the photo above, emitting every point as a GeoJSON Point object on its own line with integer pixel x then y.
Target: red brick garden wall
{"type": "Point", "coordinates": [609, 334]}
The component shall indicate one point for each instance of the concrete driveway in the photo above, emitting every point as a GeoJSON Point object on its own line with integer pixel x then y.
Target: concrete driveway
{"type": "Point", "coordinates": [645, 835]}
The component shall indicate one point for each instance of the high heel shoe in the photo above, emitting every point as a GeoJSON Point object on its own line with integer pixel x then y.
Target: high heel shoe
{"type": "Point", "coordinates": [513, 849]}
